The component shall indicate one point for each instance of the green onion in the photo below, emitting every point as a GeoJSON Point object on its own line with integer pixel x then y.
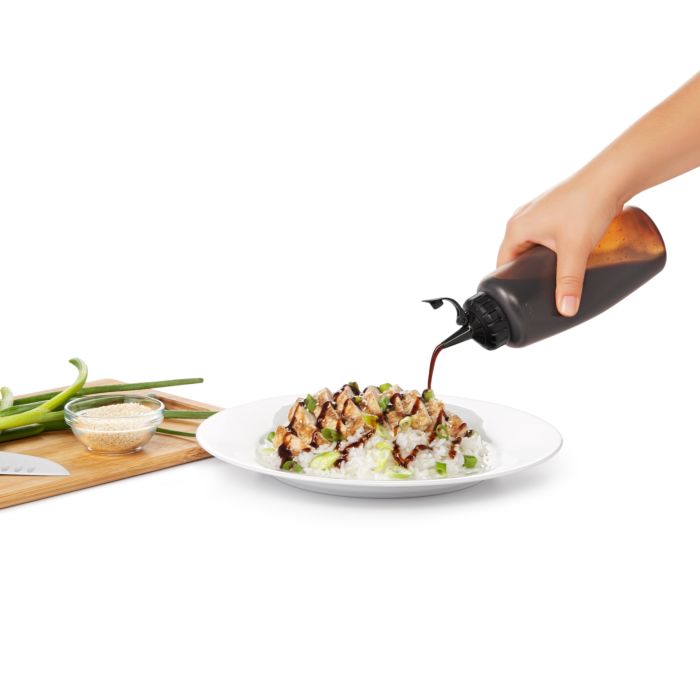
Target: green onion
{"type": "Point", "coordinates": [110, 388]}
{"type": "Point", "coordinates": [406, 422]}
{"type": "Point", "coordinates": [188, 414]}
{"type": "Point", "coordinates": [181, 433]}
{"type": "Point", "coordinates": [292, 466]}
{"type": "Point", "coordinates": [50, 417]}
{"type": "Point", "coordinates": [370, 420]}
{"type": "Point", "coordinates": [382, 462]}
{"type": "Point", "coordinates": [309, 403]}
{"type": "Point", "coordinates": [271, 435]}
{"type": "Point", "coordinates": [442, 431]}
{"type": "Point", "coordinates": [428, 394]}
{"type": "Point", "coordinates": [6, 398]}
{"type": "Point", "coordinates": [27, 431]}
{"type": "Point", "coordinates": [441, 468]}
{"type": "Point", "coordinates": [384, 432]}
{"type": "Point", "coordinates": [384, 387]}
{"type": "Point", "coordinates": [325, 460]}
{"type": "Point", "coordinates": [400, 473]}
{"type": "Point", "coordinates": [470, 461]}
{"type": "Point", "coordinates": [19, 433]}
{"type": "Point", "coordinates": [354, 386]}
{"type": "Point", "coordinates": [55, 425]}
{"type": "Point", "coordinates": [357, 400]}
{"type": "Point", "coordinates": [383, 403]}
{"type": "Point", "coordinates": [21, 408]}
{"type": "Point", "coordinates": [31, 416]}
{"type": "Point", "coordinates": [331, 435]}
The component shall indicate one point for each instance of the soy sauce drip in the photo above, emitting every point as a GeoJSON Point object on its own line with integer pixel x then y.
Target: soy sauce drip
{"type": "Point", "coordinates": [405, 461]}
{"type": "Point", "coordinates": [436, 352]}
{"type": "Point", "coordinates": [284, 453]}
{"type": "Point", "coordinates": [346, 450]}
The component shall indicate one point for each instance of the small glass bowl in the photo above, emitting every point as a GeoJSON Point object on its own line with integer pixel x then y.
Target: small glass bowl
{"type": "Point", "coordinates": [113, 434]}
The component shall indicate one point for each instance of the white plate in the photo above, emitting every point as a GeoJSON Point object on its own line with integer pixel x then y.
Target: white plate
{"type": "Point", "coordinates": [517, 440]}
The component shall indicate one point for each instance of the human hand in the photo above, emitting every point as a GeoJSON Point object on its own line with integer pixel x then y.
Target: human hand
{"type": "Point", "coordinates": [569, 219]}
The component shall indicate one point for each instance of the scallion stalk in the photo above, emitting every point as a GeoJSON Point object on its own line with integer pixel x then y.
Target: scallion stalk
{"type": "Point", "coordinates": [19, 433]}
{"type": "Point", "coordinates": [110, 388]}
{"type": "Point", "coordinates": [55, 425]}
{"type": "Point", "coordinates": [21, 408]}
{"type": "Point", "coordinates": [181, 433]}
{"type": "Point", "coordinates": [198, 415]}
{"type": "Point", "coordinates": [6, 398]}
{"type": "Point", "coordinates": [31, 416]}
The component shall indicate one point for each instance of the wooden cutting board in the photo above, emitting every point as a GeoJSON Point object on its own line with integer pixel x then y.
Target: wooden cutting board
{"type": "Point", "coordinates": [89, 469]}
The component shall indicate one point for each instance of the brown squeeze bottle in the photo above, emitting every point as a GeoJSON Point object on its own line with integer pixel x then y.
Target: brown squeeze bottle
{"type": "Point", "coordinates": [515, 304]}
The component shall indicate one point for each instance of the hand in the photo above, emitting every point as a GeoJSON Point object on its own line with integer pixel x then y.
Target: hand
{"type": "Point", "coordinates": [570, 220]}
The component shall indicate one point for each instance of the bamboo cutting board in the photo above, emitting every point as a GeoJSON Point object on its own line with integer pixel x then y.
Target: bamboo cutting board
{"type": "Point", "coordinates": [89, 469]}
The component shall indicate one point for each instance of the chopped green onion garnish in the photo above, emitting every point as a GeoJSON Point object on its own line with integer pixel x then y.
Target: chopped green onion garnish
{"type": "Point", "coordinates": [325, 460]}
{"type": "Point", "coordinates": [400, 473]}
{"type": "Point", "coordinates": [384, 432]}
{"type": "Point", "coordinates": [470, 461]}
{"type": "Point", "coordinates": [428, 394]}
{"type": "Point", "coordinates": [384, 387]}
{"type": "Point", "coordinates": [370, 420]}
{"type": "Point", "coordinates": [357, 400]}
{"type": "Point", "coordinates": [309, 403]}
{"type": "Point", "coordinates": [292, 466]}
{"type": "Point", "coordinates": [382, 445]}
{"type": "Point", "coordinates": [354, 386]}
{"type": "Point", "coordinates": [271, 435]}
{"type": "Point", "coordinates": [331, 435]}
{"type": "Point", "coordinates": [405, 423]}
{"type": "Point", "coordinates": [442, 432]}
{"type": "Point", "coordinates": [383, 403]}
{"type": "Point", "coordinates": [441, 468]}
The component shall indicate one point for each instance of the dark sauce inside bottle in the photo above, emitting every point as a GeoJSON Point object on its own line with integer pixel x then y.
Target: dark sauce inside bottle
{"type": "Point", "coordinates": [526, 293]}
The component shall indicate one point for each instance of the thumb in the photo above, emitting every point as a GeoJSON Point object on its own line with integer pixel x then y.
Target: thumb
{"type": "Point", "coordinates": [571, 268]}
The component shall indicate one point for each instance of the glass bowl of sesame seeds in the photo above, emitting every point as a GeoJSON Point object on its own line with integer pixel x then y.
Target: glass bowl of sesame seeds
{"type": "Point", "coordinates": [114, 423]}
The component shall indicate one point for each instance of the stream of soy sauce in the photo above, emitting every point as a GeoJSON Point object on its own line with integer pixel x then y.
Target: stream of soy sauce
{"type": "Point", "coordinates": [436, 352]}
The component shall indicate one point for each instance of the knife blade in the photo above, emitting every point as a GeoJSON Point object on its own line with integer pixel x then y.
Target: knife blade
{"type": "Point", "coordinates": [15, 464]}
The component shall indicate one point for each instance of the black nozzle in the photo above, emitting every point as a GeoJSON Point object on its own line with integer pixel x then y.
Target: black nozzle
{"type": "Point", "coordinates": [459, 336]}
{"type": "Point", "coordinates": [481, 318]}
{"type": "Point", "coordinates": [461, 313]}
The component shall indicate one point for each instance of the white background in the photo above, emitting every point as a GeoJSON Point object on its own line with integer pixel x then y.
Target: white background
{"type": "Point", "coordinates": [261, 193]}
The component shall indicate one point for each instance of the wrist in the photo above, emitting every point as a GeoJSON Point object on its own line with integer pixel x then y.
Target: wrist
{"type": "Point", "coordinates": [607, 183]}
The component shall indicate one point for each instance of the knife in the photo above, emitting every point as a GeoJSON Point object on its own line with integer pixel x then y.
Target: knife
{"type": "Point", "coordinates": [15, 464]}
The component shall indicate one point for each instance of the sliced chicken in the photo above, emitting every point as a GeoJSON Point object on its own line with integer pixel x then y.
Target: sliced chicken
{"type": "Point", "coordinates": [292, 442]}
{"type": "Point", "coordinates": [456, 427]}
{"type": "Point", "coordinates": [321, 398]}
{"type": "Point", "coordinates": [344, 396]}
{"type": "Point", "coordinates": [420, 419]}
{"type": "Point", "coordinates": [370, 401]}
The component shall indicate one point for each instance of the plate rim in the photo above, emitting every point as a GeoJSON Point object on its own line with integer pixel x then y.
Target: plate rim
{"type": "Point", "coordinates": [379, 483]}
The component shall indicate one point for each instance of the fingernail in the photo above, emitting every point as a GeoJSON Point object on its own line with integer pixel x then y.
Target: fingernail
{"type": "Point", "coordinates": [568, 305]}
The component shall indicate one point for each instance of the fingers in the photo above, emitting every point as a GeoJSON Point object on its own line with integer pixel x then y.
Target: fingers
{"type": "Point", "coordinates": [510, 250]}
{"type": "Point", "coordinates": [571, 268]}
{"type": "Point", "coordinates": [515, 242]}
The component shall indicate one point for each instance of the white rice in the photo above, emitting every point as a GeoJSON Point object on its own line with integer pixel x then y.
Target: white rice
{"type": "Point", "coordinates": [374, 460]}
